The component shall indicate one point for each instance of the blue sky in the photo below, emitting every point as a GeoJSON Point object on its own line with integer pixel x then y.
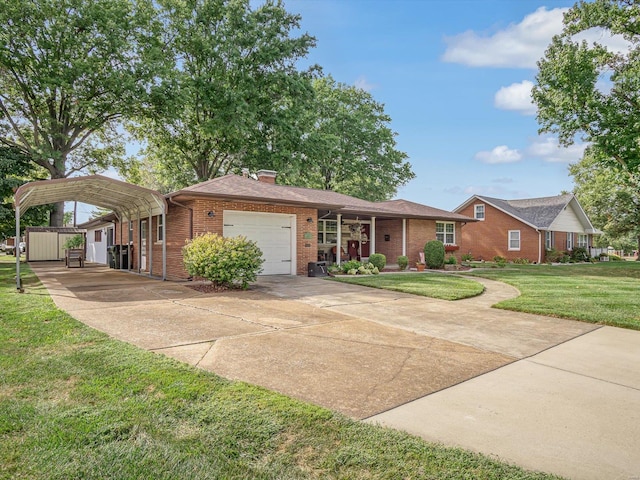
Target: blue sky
{"type": "Point", "coordinates": [455, 77]}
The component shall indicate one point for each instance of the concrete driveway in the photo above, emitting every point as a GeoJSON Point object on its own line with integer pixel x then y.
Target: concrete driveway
{"type": "Point", "coordinates": [548, 394]}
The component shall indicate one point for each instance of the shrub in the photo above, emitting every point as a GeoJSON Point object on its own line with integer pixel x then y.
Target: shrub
{"type": "Point", "coordinates": [500, 261]}
{"type": "Point", "coordinates": [378, 260]}
{"type": "Point", "coordinates": [521, 261]}
{"type": "Point", "coordinates": [77, 241]}
{"type": "Point", "coordinates": [466, 257]}
{"type": "Point", "coordinates": [403, 262]}
{"type": "Point", "coordinates": [350, 265]}
{"type": "Point", "coordinates": [452, 260]}
{"type": "Point", "coordinates": [434, 254]}
{"type": "Point", "coordinates": [553, 256]}
{"type": "Point", "coordinates": [227, 262]}
{"type": "Point", "coordinates": [579, 254]}
{"type": "Point", "coordinates": [614, 258]}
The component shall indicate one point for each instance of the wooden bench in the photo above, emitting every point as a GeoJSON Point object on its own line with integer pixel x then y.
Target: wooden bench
{"type": "Point", "coordinates": [74, 254]}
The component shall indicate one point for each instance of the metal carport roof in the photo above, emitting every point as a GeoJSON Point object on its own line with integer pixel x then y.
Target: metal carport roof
{"type": "Point", "coordinates": [126, 200]}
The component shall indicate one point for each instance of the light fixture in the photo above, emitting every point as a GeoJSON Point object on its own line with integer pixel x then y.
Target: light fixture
{"type": "Point", "coordinates": [211, 214]}
{"type": "Point", "coordinates": [309, 220]}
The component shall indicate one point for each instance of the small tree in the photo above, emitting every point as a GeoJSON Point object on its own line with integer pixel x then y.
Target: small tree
{"type": "Point", "coordinates": [378, 260]}
{"type": "Point", "coordinates": [227, 262]}
{"type": "Point", "coordinates": [434, 254]}
{"type": "Point", "coordinates": [77, 241]}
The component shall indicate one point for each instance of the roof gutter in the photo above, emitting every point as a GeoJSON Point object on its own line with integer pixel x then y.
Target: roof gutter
{"type": "Point", "coordinates": [177, 204]}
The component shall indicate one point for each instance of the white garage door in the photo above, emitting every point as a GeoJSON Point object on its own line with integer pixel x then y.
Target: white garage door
{"type": "Point", "coordinates": [274, 234]}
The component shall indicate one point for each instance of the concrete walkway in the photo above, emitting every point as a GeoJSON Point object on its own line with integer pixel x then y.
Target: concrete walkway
{"type": "Point", "coordinates": [548, 394]}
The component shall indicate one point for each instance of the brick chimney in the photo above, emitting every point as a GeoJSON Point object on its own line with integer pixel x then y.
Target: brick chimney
{"type": "Point", "coordinates": [267, 176]}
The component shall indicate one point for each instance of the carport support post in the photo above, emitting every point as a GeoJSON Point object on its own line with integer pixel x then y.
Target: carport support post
{"type": "Point", "coordinates": [339, 239]}
{"type": "Point", "coordinates": [17, 248]}
{"type": "Point", "coordinates": [372, 233]}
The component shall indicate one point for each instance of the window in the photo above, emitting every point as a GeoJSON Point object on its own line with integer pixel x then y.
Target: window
{"type": "Point", "coordinates": [583, 240]}
{"type": "Point", "coordinates": [569, 241]}
{"type": "Point", "coordinates": [446, 232]}
{"type": "Point", "coordinates": [548, 240]}
{"type": "Point", "coordinates": [327, 232]}
{"type": "Point", "coordinates": [160, 232]}
{"type": "Point", "coordinates": [478, 212]}
{"type": "Point", "coordinates": [97, 236]}
{"type": "Point", "coordinates": [514, 239]}
{"type": "Point", "coordinates": [130, 231]}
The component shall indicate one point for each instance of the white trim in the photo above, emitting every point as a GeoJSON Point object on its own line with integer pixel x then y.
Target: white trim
{"type": "Point", "coordinates": [404, 237]}
{"type": "Point", "coordinates": [445, 233]}
{"type": "Point", "coordinates": [159, 228]}
{"type": "Point", "coordinates": [509, 247]}
{"type": "Point", "coordinates": [475, 211]}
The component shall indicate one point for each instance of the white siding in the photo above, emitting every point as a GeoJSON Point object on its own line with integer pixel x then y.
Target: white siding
{"type": "Point", "coordinates": [97, 251]}
{"type": "Point", "coordinates": [567, 221]}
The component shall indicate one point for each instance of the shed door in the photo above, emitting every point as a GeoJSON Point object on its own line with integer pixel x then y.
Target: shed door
{"type": "Point", "coordinates": [43, 246]}
{"type": "Point", "coordinates": [273, 232]}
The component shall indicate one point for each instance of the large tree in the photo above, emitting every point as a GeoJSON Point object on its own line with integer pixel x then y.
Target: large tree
{"type": "Point", "coordinates": [233, 97]}
{"type": "Point", "coordinates": [586, 89]}
{"type": "Point", "coordinates": [69, 70]}
{"type": "Point", "coordinates": [16, 169]}
{"type": "Point", "coordinates": [348, 145]}
{"type": "Point", "coordinates": [610, 196]}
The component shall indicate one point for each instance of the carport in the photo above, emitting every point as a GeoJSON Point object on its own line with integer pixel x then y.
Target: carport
{"type": "Point", "coordinates": [128, 202]}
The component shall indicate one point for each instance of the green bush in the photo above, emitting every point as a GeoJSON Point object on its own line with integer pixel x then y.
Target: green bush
{"type": "Point", "coordinates": [378, 260]}
{"type": "Point", "coordinates": [466, 257]}
{"type": "Point", "coordinates": [434, 254]}
{"type": "Point", "coordinates": [521, 261]}
{"type": "Point", "coordinates": [350, 265]}
{"type": "Point", "coordinates": [580, 254]}
{"type": "Point", "coordinates": [77, 241]}
{"type": "Point", "coordinates": [403, 262]}
{"type": "Point", "coordinates": [553, 256]}
{"type": "Point", "coordinates": [614, 258]}
{"type": "Point", "coordinates": [227, 262]}
{"type": "Point", "coordinates": [452, 260]}
{"type": "Point", "coordinates": [500, 261]}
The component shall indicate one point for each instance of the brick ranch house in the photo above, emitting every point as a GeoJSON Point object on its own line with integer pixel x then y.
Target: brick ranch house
{"type": "Point", "coordinates": [293, 226]}
{"type": "Point", "coordinates": [524, 228]}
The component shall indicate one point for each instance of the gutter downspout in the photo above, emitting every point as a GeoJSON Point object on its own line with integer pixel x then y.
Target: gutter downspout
{"type": "Point", "coordinates": [177, 204]}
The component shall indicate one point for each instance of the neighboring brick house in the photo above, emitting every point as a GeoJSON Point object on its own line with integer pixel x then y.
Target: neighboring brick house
{"type": "Point", "coordinates": [524, 228]}
{"type": "Point", "coordinates": [292, 225]}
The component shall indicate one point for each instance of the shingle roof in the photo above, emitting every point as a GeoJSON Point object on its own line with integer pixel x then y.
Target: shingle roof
{"type": "Point", "coordinates": [247, 189]}
{"type": "Point", "coordinates": [539, 212]}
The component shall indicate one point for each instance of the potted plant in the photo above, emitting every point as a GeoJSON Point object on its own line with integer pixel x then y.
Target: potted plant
{"type": "Point", "coordinates": [451, 248]}
{"type": "Point", "coordinates": [421, 266]}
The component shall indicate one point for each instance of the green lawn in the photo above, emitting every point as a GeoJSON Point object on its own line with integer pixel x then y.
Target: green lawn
{"type": "Point", "coordinates": [75, 404]}
{"type": "Point", "coordinates": [606, 293]}
{"type": "Point", "coordinates": [435, 285]}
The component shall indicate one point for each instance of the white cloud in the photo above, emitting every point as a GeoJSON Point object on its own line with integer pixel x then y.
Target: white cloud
{"type": "Point", "coordinates": [521, 44]}
{"type": "Point", "coordinates": [502, 180]}
{"type": "Point", "coordinates": [500, 154]}
{"type": "Point", "coordinates": [517, 97]}
{"type": "Point", "coordinates": [362, 83]}
{"type": "Point", "coordinates": [518, 45]}
{"type": "Point", "coordinates": [549, 150]}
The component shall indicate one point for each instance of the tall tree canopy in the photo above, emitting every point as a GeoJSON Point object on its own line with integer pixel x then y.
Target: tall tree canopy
{"type": "Point", "coordinates": [69, 69]}
{"type": "Point", "coordinates": [348, 145]}
{"type": "Point", "coordinates": [233, 97]}
{"type": "Point", "coordinates": [589, 90]}
{"type": "Point", "coordinates": [610, 196]}
{"type": "Point", "coordinates": [15, 169]}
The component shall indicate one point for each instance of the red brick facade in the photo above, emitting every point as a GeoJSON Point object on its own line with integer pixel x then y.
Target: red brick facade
{"type": "Point", "coordinates": [490, 237]}
{"type": "Point", "coordinates": [180, 227]}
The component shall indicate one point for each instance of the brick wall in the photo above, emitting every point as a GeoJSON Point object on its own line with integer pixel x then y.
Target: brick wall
{"type": "Point", "coordinates": [178, 231]}
{"type": "Point", "coordinates": [488, 238]}
{"type": "Point", "coordinates": [392, 248]}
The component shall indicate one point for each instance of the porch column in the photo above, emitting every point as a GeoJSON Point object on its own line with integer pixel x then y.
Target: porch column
{"type": "Point", "coordinates": [339, 239]}
{"type": "Point", "coordinates": [164, 244]}
{"type": "Point", "coordinates": [150, 243]}
{"type": "Point", "coordinates": [372, 240]}
{"type": "Point", "coordinates": [16, 248]}
{"type": "Point", "coordinates": [404, 237]}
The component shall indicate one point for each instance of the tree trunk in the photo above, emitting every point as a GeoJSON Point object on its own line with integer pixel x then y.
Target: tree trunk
{"type": "Point", "coordinates": [57, 215]}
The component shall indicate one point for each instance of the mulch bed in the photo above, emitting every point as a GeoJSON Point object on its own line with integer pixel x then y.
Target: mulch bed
{"type": "Point", "coordinates": [210, 288]}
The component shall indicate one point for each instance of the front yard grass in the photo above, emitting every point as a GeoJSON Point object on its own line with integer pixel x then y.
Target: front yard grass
{"type": "Point", "coordinates": [428, 284]}
{"type": "Point", "coordinates": [607, 293]}
{"type": "Point", "coordinates": [76, 404]}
